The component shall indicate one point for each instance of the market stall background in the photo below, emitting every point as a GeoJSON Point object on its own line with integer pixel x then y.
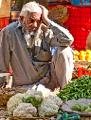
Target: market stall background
{"type": "Point", "coordinates": [4, 13]}
{"type": "Point", "coordinates": [78, 23]}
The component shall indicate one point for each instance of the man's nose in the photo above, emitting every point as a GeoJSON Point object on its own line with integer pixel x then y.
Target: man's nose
{"type": "Point", "coordinates": [35, 24]}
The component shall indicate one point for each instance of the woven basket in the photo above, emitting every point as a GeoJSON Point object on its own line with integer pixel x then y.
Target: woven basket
{"type": "Point", "coordinates": [6, 93]}
{"type": "Point", "coordinates": [33, 118]}
{"type": "Point", "coordinates": [82, 63]}
{"type": "Point", "coordinates": [4, 114]}
{"type": "Point", "coordinates": [85, 118]}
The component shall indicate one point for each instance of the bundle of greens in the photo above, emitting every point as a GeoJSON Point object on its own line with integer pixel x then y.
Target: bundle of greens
{"type": "Point", "coordinates": [33, 100]}
{"type": "Point", "coordinates": [78, 88]}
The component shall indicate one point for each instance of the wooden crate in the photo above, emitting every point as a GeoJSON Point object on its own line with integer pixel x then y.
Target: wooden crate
{"type": "Point", "coordinates": [85, 118]}
{"type": "Point", "coordinates": [33, 118]}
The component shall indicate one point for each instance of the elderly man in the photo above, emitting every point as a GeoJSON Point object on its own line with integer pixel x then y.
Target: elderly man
{"type": "Point", "coordinates": [26, 46]}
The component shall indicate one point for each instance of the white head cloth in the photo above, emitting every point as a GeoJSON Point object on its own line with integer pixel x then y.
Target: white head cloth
{"type": "Point", "coordinates": [30, 7]}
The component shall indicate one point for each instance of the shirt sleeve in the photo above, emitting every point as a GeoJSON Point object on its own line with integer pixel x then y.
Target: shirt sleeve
{"type": "Point", "coordinates": [4, 51]}
{"type": "Point", "coordinates": [61, 36]}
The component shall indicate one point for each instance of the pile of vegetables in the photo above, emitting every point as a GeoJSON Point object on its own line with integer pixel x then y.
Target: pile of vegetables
{"type": "Point", "coordinates": [32, 103]}
{"type": "Point", "coordinates": [83, 71]}
{"type": "Point", "coordinates": [78, 88]}
{"type": "Point", "coordinates": [84, 55]}
{"type": "Point", "coordinates": [81, 108]}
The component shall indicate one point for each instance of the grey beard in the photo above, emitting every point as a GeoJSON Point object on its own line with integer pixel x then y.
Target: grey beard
{"type": "Point", "coordinates": [32, 38]}
{"type": "Point", "coordinates": [29, 37]}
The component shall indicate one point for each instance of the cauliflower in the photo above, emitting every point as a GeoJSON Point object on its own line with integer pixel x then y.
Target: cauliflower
{"type": "Point", "coordinates": [55, 99]}
{"type": "Point", "coordinates": [25, 110]}
{"type": "Point", "coordinates": [48, 108]}
{"type": "Point", "coordinates": [34, 93]}
{"type": "Point", "coordinates": [14, 102]}
{"type": "Point", "coordinates": [24, 104]}
{"type": "Point", "coordinates": [50, 105]}
{"type": "Point", "coordinates": [45, 91]}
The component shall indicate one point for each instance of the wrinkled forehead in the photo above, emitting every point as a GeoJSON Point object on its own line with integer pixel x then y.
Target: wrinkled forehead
{"type": "Point", "coordinates": [34, 15]}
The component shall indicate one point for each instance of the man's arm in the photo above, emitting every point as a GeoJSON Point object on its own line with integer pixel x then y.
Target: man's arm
{"type": "Point", "coordinates": [59, 29]}
{"type": "Point", "coordinates": [60, 33]}
{"type": "Point", "coordinates": [4, 51]}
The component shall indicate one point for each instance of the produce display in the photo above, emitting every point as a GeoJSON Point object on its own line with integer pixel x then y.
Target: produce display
{"type": "Point", "coordinates": [84, 55]}
{"type": "Point", "coordinates": [82, 71]}
{"type": "Point", "coordinates": [77, 88]}
{"type": "Point", "coordinates": [81, 106]}
{"type": "Point", "coordinates": [32, 104]}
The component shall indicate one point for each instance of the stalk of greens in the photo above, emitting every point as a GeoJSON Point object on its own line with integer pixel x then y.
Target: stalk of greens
{"type": "Point", "coordinates": [33, 100]}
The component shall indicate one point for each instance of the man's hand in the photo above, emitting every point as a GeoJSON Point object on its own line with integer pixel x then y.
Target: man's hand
{"type": "Point", "coordinates": [44, 27]}
{"type": "Point", "coordinates": [45, 15]}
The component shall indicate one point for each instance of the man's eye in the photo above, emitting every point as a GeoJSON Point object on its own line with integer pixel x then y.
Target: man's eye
{"type": "Point", "coordinates": [31, 20]}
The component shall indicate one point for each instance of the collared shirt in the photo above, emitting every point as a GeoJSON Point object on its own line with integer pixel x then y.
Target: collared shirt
{"type": "Point", "coordinates": [28, 65]}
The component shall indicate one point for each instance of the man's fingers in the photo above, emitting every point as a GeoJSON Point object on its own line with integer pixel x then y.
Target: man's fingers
{"type": "Point", "coordinates": [44, 15]}
{"type": "Point", "coordinates": [44, 9]}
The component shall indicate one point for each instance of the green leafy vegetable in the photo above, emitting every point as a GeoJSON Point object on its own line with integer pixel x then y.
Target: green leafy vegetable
{"type": "Point", "coordinates": [78, 88]}
{"type": "Point", "coordinates": [34, 101]}
{"type": "Point", "coordinates": [78, 107]}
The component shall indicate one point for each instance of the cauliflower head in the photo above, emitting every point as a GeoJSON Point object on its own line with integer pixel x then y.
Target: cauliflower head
{"type": "Point", "coordinates": [25, 110]}
{"type": "Point", "coordinates": [13, 102]}
{"type": "Point", "coordinates": [48, 108]}
{"type": "Point", "coordinates": [55, 99]}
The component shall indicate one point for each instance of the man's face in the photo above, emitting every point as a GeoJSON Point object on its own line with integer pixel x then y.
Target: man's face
{"type": "Point", "coordinates": [32, 21]}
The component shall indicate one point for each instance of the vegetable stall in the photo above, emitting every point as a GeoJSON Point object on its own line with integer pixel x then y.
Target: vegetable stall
{"type": "Point", "coordinates": [73, 102]}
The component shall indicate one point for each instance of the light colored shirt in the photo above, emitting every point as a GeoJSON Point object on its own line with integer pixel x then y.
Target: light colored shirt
{"type": "Point", "coordinates": [29, 65]}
